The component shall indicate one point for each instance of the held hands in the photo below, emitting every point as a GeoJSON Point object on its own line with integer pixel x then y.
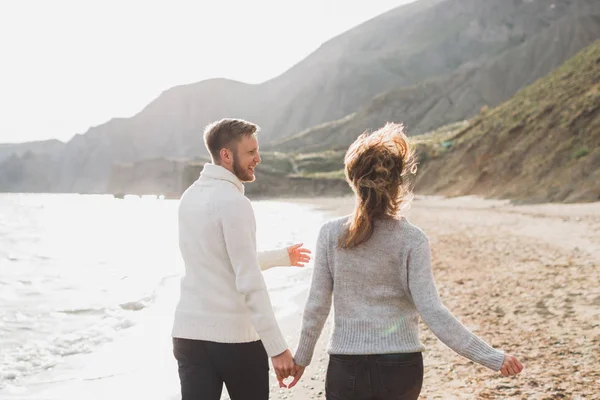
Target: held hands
{"type": "Point", "coordinates": [285, 367]}
{"type": "Point", "coordinates": [510, 366]}
{"type": "Point", "coordinates": [298, 255]}
{"type": "Point", "coordinates": [297, 376]}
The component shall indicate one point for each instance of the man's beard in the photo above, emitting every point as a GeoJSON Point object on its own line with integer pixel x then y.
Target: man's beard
{"type": "Point", "coordinates": [241, 173]}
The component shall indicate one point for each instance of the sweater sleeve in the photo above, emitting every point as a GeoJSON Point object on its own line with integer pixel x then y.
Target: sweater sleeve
{"type": "Point", "coordinates": [239, 233]}
{"type": "Point", "coordinates": [437, 317]}
{"type": "Point", "coordinates": [318, 303]}
{"type": "Point", "coordinates": [273, 258]}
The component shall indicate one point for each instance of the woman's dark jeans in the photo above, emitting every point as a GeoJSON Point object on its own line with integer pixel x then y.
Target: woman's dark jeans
{"type": "Point", "coordinates": [374, 377]}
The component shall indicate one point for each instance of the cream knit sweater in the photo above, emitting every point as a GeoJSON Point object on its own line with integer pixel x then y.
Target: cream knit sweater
{"type": "Point", "coordinates": [223, 294]}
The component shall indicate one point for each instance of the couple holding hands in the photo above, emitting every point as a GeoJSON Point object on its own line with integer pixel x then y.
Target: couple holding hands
{"type": "Point", "coordinates": [374, 264]}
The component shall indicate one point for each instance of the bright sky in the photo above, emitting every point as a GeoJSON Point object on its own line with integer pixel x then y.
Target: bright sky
{"type": "Point", "coordinates": [67, 65]}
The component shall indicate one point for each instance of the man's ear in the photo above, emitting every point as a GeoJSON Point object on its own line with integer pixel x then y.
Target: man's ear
{"type": "Point", "coordinates": [226, 156]}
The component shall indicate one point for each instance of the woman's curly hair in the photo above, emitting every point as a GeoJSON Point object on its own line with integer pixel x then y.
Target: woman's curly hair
{"type": "Point", "coordinates": [377, 166]}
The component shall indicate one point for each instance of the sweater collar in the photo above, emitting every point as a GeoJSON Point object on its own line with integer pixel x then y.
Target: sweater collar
{"type": "Point", "coordinates": [213, 171]}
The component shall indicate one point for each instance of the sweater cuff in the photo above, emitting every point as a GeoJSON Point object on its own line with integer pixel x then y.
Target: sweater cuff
{"type": "Point", "coordinates": [305, 351]}
{"type": "Point", "coordinates": [273, 341]}
{"type": "Point", "coordinates": [479, 351]}
{"type": "Point", "coordinates": [273, 258]}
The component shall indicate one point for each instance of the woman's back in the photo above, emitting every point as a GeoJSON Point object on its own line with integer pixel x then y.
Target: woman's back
{"type": "Point", "coordinates": [374, 312]}
{"type": "Point", "coordinates": [379, 289]}
{"type": "Point", "coordinates": [371, 280]}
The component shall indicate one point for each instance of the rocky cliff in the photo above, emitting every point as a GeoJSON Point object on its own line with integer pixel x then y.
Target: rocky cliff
{"type": "Point", "coordinates": [542, 145]}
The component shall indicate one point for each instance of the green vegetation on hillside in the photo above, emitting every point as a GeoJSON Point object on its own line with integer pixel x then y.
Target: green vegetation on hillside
{"type": "Point", "coordinates": [327, 164]}
{"type": "Point", "coordinates": [542, 145]}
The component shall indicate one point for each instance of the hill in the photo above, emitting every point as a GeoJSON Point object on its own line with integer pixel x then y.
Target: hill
{"type": "Point", "coordinates": [460, 95]}
{"type": "Point", "coordinates": [422, 44]}
{"type": "Point", "coordinates": [18, 149]}
{"type": "Point", "coordinates": [542, 145]}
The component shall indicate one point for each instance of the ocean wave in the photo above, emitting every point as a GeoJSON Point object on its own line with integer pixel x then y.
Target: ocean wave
{"type": "Point", "coordinates": [88, 311]}
{"type": "Point", "coordinates": [136, 305]}
{"type": "Point", "coordinates": [44, 353]}
{"type": "Point", "coordinates": [93, 325]}
{"type": "Point", "coordinates": [140, 304]}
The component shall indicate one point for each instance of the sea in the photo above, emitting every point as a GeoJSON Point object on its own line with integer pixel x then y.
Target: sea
{"type": "Point", "coordinates": [89, 283]}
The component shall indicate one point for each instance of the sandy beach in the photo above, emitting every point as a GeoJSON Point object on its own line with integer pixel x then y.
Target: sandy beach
{"type": "Point", "coordinates": [523, 277]}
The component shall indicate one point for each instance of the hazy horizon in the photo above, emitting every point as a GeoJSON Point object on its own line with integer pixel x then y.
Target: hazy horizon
{"type": "Point", "coordinates": [74, 66]}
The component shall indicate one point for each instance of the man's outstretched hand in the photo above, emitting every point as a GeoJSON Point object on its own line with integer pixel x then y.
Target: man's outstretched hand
{"type": "Point", "coordinates": [298, 255]}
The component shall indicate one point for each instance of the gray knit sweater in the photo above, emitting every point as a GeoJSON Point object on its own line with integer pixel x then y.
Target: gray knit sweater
{"type": "Point", "coordinates": [379, 289]}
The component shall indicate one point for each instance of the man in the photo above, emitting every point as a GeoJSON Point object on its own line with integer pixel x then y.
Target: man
{"type": "Point", "coordinates": [224, 328]}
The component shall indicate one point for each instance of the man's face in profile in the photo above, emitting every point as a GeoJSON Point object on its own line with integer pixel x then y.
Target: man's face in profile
{"type": "Point", "coordinates": [246, 158]}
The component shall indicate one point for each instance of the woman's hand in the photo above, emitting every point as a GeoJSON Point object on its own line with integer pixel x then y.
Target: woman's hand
{"type": "Point", "coordinates": [297, 375]}
{"type": "Point", "coordinates": [298, 255]}
{"type": "Point", "coordinates": [511, 366]}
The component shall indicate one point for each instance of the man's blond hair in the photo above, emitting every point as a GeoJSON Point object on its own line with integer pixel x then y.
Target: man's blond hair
{"type": "Point", "coordinates": [225, 132]}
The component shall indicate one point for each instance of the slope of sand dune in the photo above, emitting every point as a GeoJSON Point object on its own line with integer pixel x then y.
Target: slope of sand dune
{"type": "Point", "coordinates": [524, 278]}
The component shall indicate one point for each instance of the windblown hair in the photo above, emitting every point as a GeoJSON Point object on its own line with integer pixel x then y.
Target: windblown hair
{"type": "Point", "coordinates": [221, 134]}
{"type": "Point", "coordinates": [377, 166]}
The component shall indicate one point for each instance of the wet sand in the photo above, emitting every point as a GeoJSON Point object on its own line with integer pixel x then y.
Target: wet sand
{"type": "Point", "coordinates": [525, 278]}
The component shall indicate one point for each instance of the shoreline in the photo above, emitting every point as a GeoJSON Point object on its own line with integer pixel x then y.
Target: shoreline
{"type": "Point", "coordinates": [523, 277]}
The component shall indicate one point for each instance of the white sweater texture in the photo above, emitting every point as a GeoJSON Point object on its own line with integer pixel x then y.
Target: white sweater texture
{"type": "Point", "coordinates": [223, 293]}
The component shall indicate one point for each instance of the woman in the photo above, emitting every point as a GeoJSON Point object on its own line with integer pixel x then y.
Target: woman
{"type": "Point", "coordinates": [377, 267]}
